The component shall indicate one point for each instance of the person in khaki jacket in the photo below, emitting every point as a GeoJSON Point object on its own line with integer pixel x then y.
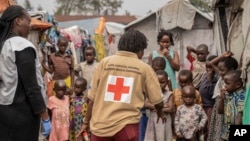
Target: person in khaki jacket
{"type": "Point", "coordinates": [117, 92]}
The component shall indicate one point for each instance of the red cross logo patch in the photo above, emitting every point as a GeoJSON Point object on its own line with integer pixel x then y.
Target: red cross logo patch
{"type": "Point", "coordinates": [119, 89]}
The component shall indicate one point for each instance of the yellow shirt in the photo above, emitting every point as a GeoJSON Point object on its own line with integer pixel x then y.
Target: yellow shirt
{"type": "Point", "coordinates": [117, 89]}
{"type": "Point", "coordinates": [178, 99]}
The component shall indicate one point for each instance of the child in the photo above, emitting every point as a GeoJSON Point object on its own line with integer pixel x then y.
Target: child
{"type": "Point", "coordinates": [198, 62]}
{"type": "Point", "coordinates": [165, 40]}
{"type": "Point", "coordinates": [185, 79]}
{"type": "Point", "coordinates": [221, 64]}
{"type": "Point", "coordinates": [232, 100]}
{"type": "Point", "coordinates": [59, 107]}
{"type": "Point", "coordinates": [208, 82]}
{"type": "Point", "coordinates": [158, 63]}
{"type": "Point", "coordinates": [61, 64]}
{"type": "Point", "coordinates": [88, 66]}
{"type": "Point", "coordinates": [190, 118]}
{"type": "Point", "coordinates": [158, 131]}
{"type": "Point", "coordinates": [78, 107]}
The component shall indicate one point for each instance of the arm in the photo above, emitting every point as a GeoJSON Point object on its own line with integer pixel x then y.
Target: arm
{"type": "Point", "coordinates": [203, 118]}
{"type": "Point", "coordinates": [72, 72]}
{"type": "Point", "coordinates": [220, 107]}
{"type": "Point", "coordinates": [169, 106]}
{"type": "Point", "coordinates": [149, 105]}
{"type": "Point", "coordinates": [239, 118]}
{"type": "Point", "coordinates": [49, 68]}
{"type": "Point", "coordinates": [191, 49]}
{"type": "Point", "coordinates": [26, 67]}
{"type": "Point", "coordinates": [176, 124]}
{"type": "Point", "coordinates": [216, 60]}
{"type": "Point", "coordinates": [159, 112]}
{"type": "Point", "coordinates": [174, 62]}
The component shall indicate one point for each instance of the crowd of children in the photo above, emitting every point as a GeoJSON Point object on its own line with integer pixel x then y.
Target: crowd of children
{"type": "Point", "coordinates": [200, 105]}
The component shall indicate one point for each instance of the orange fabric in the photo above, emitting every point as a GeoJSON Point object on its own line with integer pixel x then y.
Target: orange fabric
{"type": "Point", "coordinates": [38, 24]}
{"type": "Point", "coordinates": [6, 3]}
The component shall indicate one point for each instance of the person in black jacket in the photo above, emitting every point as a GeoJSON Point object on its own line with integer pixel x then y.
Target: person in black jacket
{"type": "Point", "coordinates": [22, 104]}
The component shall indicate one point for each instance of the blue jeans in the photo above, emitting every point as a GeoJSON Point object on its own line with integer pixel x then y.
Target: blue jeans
{"type": "Point", "coordinates": [143, 126]}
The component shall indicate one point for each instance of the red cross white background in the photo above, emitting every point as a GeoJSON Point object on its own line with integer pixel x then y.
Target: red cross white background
{"type": "Point", "coordinates": [119, 89]}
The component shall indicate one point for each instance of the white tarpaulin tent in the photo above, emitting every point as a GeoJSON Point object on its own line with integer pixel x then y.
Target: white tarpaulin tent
{"type": "Point", "coordinates": [190, 27]}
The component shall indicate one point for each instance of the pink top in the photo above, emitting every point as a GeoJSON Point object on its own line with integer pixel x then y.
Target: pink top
{"type": "Point", "coordinates": [60, 118]}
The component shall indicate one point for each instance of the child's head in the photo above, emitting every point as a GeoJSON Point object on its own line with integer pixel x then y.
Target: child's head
{"type": "Point", "coordinates": [133, 41]}
{"type": "Point", "coordinates": [165, 39]}
{"type": "Point", "coordinates": [188, 95]}
{"type": "Point", "coordinates": [89, 54]}
{"type": "Point", "coordinates": [158, 63]}
{"type": "Point", "coordinates": [233, 81]}
{"type": "Point", "coordinates": [209, 67]}
{"type": "Point", "coordinates": [202, 52]}
{"type": "Point", "coordinates": [163, 78]}
{"type": "Point", "coordinates": [80, 86]}
{"type": "Point", "coordinates": [60, 88]}
{"type": "Point", "coordinates": [227, 64]}
{"type": "Point", "coordinates": [185, 78]}
{"type": "Point", "coordinates": [62, 44]}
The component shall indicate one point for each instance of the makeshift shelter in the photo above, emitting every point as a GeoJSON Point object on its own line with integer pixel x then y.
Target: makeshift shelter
{"type": "Point", "coordinates": [189, 26]}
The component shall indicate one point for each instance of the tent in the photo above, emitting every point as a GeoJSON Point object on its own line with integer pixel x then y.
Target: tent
{"type": "Point", "coordinates": [189, 26]}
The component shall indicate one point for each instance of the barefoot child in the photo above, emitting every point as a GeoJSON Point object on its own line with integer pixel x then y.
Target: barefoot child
{"type": "Point", "coordinates": [191, 112]}
{"type": "Point", "coordinates": [78, 107]}
{"type": "Point", "coordinates": [59, 107]}
{"type": "Point", "coordinates": [158, 131]}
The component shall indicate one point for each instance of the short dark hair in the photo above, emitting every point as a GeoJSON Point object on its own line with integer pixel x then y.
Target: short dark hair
{"type": "Point", "coordinates": [163, 33]}
{"type": "Point", "coordinates": [132, 41]}
{"type": "Point", "coordinates": [203, 46]}
{"type": "Point", "coordinates": [90, 48]}
{"type": "Point", "coordinates": [236, 75]}
{"type": "Point", "coordinates": [230, 63]}
{"type": "Point", "coordinates": [186, 73]}
{"type": "Point", "coordinates": [81, 79]}
{"type": "Point", "coordinates": [6, 21]}
{"type": "Point", "coordinates": [159, 62]}
{"type": "Point", "coordinates": [162, 72]}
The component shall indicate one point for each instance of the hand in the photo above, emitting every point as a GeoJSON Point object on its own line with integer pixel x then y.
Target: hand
{"type": "Point", "coordinates": [227, 54]}
{"type": "Point", "coordinates": [223, 93]}
{"type": "Point", "coordinates": [46, 127]}
{"type": "Point", "coordinates": [165, 52]}
{"type": "Point", "coordinates": [179, 135]}
{"type": "Point", "coordinates": [84, 128]}
{"type": "Point", "coordinates": [209, 74]}
{"type": "Point", "coordinates": [161, 115]}
{"type": "Point", "coordinates": [197, 129]}
{"type": "Point", "coordinates": [190, 49]}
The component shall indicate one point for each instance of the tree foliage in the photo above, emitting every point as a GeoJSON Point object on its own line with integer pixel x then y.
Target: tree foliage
{"type": "Point", "coordinates": [202, 5]}
{"type": "Point", "coordinates": [88, 7]}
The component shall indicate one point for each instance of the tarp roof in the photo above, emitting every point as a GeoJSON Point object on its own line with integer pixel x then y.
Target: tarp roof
{"type": "Point", "coordinates": [177, 12]}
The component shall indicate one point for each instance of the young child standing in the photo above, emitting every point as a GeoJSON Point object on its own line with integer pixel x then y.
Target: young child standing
{"type": "Point", "coordinates": [88, 66]}
{"type": "Point", "coordinates": [198, 62]}
{"type": "Point", "coordinates": [185, 78]}
{"type": "Point", "coordinates": [78, 107]}
{"type": "Point", "coordinates": [221, 64]}
{"type": "Point", "coordinates": [158, 131]}
{"type": "Point", "coordinates": [158, 63]}
{"type": "Point", "coordinates": [61, 64]}
{"type": "Point", "coordinates": [231, 104]}
{"type": "Point", "coordinates": [59, 107]}
{"type": "Point", "coordinates": [165, 40]}
{"type": "Point", "coordinates": [206, 89]}
{"type": "Point", "coordinates": [191, 112]}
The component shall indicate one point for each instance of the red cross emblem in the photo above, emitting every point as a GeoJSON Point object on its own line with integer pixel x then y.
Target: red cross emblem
{"type": "Point", "coordinates": [118, 89]}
